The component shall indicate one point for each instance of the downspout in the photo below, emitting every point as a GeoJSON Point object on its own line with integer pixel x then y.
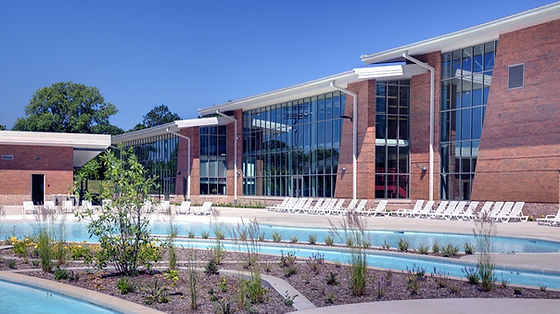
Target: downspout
{"type": "Point", "coordinates": [431, 151]}
{"type": "Point", "coordinates": [188, 161]}
{"type": "Point", "coordinates": [234, 152]}
{"type": "Point", "coordinates": [354, 133]}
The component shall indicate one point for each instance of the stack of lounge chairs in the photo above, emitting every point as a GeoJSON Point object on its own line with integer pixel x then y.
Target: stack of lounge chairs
{"type": "Point", "coordinates": [328, 206]}
{"type": "Point", "coordinates": [550, 220]}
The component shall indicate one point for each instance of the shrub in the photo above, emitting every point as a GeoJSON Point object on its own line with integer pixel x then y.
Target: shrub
{"type": "Point", "coordinates": [193, 291]}
{"type": "Point", "coordinates": [331, 297]}
{"type": "Point", "coordinates": [148, 255]}
{"type": "Point", "coordinates": [385, 246]}
{"type": "Point", "coordinates": [11, 264]}
{"type": "Point", "coordinates": [44, 247]}
{"type": "Point", "coordinates": [190, 234]}
{"type": "Point", "coordinates": [469, 248]}
{"type": "Point", "coordinates": [256, 289]}
{"type": "Point", "coordinates": [290, 270]}
{"type": "Point", "coordinates": [517, 291]}
{"type": "Point", "coordinates": [403, 245]}
{"type": "Point", "coordinates": [156, 293]}
{"type": "Point", "coordinates": [261, 236]}
{"type": "Point", "coordinates": [435, 248]}
{"type": "Point", "coordinates": [223, 284]}
{"type": "Point", "coordinates": [331, 279]}
{"type": "Point", "coordinates": [486, 273]}
{"type": "Point", "coordinates": [20, 246]}
{"type": "Point", "coordinates": [205, 234]}
{"type": "Point", "coordinates": [219, 234]}
{"type": "Point", "coordinates": [329, 241]}
{"type": "Point", "coordinates": [503, 283]}
{"type": "Point", "coordinates": [124, 285]}
{"type": "Point", "coordinates": [172, 257]}
{"type": "Point", "coordinates": [312, 239]}
{"type": "Point", "coordinates": [293, 239]}
{"type": "Point", "coordinates": [79, 251]}
{"type": "Point", "coordinates": [287, 260]}
{"type": "Point", "coordinates": [449, 251]}
{"type": "Point", "coordinates": [289, 299]}
{"type": "Point", "coordinates": [412, 285]}
{"type": "Point", "coordinates": [171, 275]}
{"type": "Point", "coordinates": [471, 273]}
{"type": "Point", "coordinates": [422, 249]}
{"type": "Point", "coordinates": [60, 274]}
{"type": "Point", "coordinates": [212, 267]}
{"type": "Point", "coordinates": [243, 235]}
{"type": "Point", "coordinates": [276, 237]}
{"type": "Point", "coordinates": [122, 226]}
{"type": "Point", "coordinates": [218, 252]}
{"type": "Point", "coordinates": [542, 288]}
{"type": "Point", "coordinates": [315, 262]}
{"type": "Point", "coordinates": [349, 242]}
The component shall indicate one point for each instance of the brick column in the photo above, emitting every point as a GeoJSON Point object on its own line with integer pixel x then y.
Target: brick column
{"type": "Point", "coordinates": [366, 144]}
{"type": "Point", "coordinates": [194, 134]}
{"type": "Point", "coordinates": [230, 139]}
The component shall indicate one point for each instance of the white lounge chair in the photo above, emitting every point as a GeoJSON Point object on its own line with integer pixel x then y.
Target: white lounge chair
{"type": "Point", "coordinates": [67, 207]}
{"type": "Point", "coordinates": [185, 207]}
{"type": "Point", "coordinates": [306, 206]}
{"type": "Point", "coordinates": [380, 209]}
{"type": "Point", "coordinates": [28, 207]}
{"type": "Point", "coordinates": [337, 208]}
{"type": "Point", "coordinates": [350, 207]}
{"type": "Point", "coordinates": [289, 204]}
{"type": "Point", "coordinates": [516, 213]}
{"type": "Point", "coordinates": [456, 211]}
{"type": "Point", "coordinates": [495, 210]}
{"type": "Point", "coordinates": [205, 209]}
{"type": "Point", "coordinates": [504, 212]}
{"type": "Point", "coordinates": [552, 220]}
{"type": "Point", "coordinates": [87, 206]}
{"type": "Point", "coordinates": [426, 210]}
{"type": "Point", "coordinates": [316, 207]}
{"type": "Point", "coordinates": [449, 209]}
{"type": "Point", "coordinates": [407, 211]}
{"type": "Point", "coordinates": [360, 207]}
{"type": "Point", "coordinates": [440, 209]}
{"type": "Point", "coordinates": [50, 206]}
{"type": "Point", "coordinates": [278, 206]}
{"type": "Point", "coordinates": [485, 210]}
{"type": "Point", "coordinates": [164, 207]}
{"type": "Point", "coordinates": [296, 206]}
{"type": "Point", "coordinates": [468, 213]}
{"type": "Point", "coordinates": [328, 205]}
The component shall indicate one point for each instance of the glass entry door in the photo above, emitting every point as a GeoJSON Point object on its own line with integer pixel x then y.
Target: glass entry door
{"type": "Point", "coordinates": [296, 186]}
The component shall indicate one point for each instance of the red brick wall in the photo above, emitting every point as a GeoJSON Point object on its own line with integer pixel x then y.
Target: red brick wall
{"type": "Point", "coordinates": [520, 146]}
{"type": "Point", "coordinates": [420, 129]}
{"type": "Point", "coordinates": [366, 144]}
{"type": "Point", "coordinates": [56, 163]}
{"type": "Point", "coordinates": [182, 161]}
{"type": "Point", "coordinates": [230, 148]}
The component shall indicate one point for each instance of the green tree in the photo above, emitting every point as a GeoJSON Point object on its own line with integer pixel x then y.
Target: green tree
{"type": "Point", "coordinates": [68, 107]}
{"type": "Point", "coordinates": [122, 225]}
{"type": "Point", "coordinates": [2, 127]}
{"type": "Point", "coordinates": [157, 116]}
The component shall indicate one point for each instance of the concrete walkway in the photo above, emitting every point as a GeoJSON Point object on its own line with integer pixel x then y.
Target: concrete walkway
{"type": "Point", "coordinates": [446, 306]}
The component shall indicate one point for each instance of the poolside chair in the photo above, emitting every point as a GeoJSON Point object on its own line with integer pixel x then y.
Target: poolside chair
{"type": "Point", "coordinates": [164, 207]}
{"type": "Point", "coordinates": [185, 207]}
{"type": "Point", "coordinates": [406, 211]}
{"type": "Point", "coordinates": [337, 208]}
{"type": "Point", "coordinates": [28, 207]}
{"type": "Point", "coordinates": [380, 209]}
{"type": "Point", "coordinates": [468, 213]}
{"type": "Point", "coordinates": [550, 219]}
{"type": "Point", "coordinates": [516, 213]}
{"type": "Point", "coordinates": [306, 206]}
{"type": "Point", "coordinates": [441, 208]}
{"type": "Point", "coordinates": [86, 206]}
{"type": "Point", "coordinates": [426, 210]}
{"type": "Point", "coordinates": [296, 206]}
{"type": "Point", "coordinates": [49, 206]}
{"type": "Point", "coordinates": [105, 204]}
{"type": "Point", "coordinates": [456, 211]}
{"type": "Point", "coordinates": [503, 212]}
{"type": "Point", "coordinates": [205, 209]}
{"type": "Point", "coordinates": [495, 210]}
{"type": "Point", "coordinates": [278, 206]}
{"type": "Point", "coordinates": [360, 207]}
{"type": "Point", "coordinates": [67, 207]}
{"type": "Point", "coordinates": [285, 208]}
{"type": "Point", "coordinates": [316, 208]}
{"type": "Point", "coordinates": [328, 205]}
{"type": "Point", "coordinates": [343, 210]}
{"type": "Point", "coordinates": [484, 211]}
{"type": "Point", "coordinates": [450, 208]}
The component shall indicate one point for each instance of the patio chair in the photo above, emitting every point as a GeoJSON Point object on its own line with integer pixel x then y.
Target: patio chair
{"type": "Point", "coordinates": [406, 211]}
{"type": "Point", "coordinates": [277, 206]}
{"type": "Point", "coordinates": [495, 210]}
{"type": "Point", "coordinates": [360, 207]}
{"type": "Point", "coordinates": [484, 211]}
{"type": "Point", "coordinates": [87, 206]}
{"type": "Point", "coordinates": [550, 219]}
{"type": "Point", "coordinates": [456, 211]}
{"type": "Point", "coordinates": [450, 208]}
{"type": "Point", "coordinates": [205, 209]}
{"type": "Point", "coordinates": [516, 213]}
{"type": "Point", "coordinates": [306, 205]}
{"type": "Point", "coordinates": [28, 207]}
{"type": "Point", "coordinates": [343, 210]}
{"type": "Point", "coordinates": [50, 206]}
{"type": "Point", "coordinates": [67, 207]}
{"type": "Point", "coordinates": [441, 208]}
{"type": "Point", "coordinates": [468, 213]}
{"type": "Point", "coordinates": [289, 204]}
{"type": "Point", "coordinates": [328, 205]}
{"type": "Point", "coordinates": [503, 212]}
{"type": "Point", "coordinates": [337, 208]}
{"type": "Point", "coordinates": [315, 208]}
{"type": "Point", "coordinates": [185, 207]}
{"type": "Point", "coordinates": [297, 205]}
{"type": "Point", "coordinates": [426, 210]}
{"type": "Point", "coordinates": [164, 207]}
{"type": "Point", "coordinates": [380, 209]}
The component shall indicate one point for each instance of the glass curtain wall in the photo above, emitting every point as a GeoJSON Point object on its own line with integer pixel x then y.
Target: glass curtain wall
{"type": "Point", "coordinates": [213, 160]}
{"type": "Point", "coordinates": [158, 155]}
{"type": "Point", "coordinates": [292, 148]}
{"type": "Point", "coordinates": [466, 78]}
{"type": "Point", "coordinates": [391, 139]}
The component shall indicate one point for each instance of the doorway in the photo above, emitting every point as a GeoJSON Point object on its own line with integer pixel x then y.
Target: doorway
{"type": "Point", "coordinates": [38, 189]}
{"type": "Point", "coordinates": [297, 186]}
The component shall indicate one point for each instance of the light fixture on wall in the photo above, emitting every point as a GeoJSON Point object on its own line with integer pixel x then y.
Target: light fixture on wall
{"type": "Point", "coordinates": [343, 169]}
{"type": "Point", "coordinates": [424, 169]}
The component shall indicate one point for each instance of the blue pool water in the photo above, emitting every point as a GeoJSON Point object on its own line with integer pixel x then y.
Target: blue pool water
{"type": "Point", "coordinates": [16, 298]}
{"type": "Point", "coordinates": [77, 231]}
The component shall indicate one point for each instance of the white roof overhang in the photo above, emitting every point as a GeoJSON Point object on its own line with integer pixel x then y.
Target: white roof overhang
{"type": "Point", "coordinates": [174, 126]}
{"type": "Point", "coordinates": [319, 86]}
{"type": "Point", "coordinates": [470, 36]}
{"type": "Point", "coordinates": [86, 146]}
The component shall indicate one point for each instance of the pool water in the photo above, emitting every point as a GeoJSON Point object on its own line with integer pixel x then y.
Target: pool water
{"type": "Point", "coordinates": [15, 298]}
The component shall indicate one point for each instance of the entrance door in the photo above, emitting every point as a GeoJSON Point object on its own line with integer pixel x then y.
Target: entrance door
{"type": "Point", "coordinates": [38, 189]}
{"type": "Point", "coordinates": [297, 186]}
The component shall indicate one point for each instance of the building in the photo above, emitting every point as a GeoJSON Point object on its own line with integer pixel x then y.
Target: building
{"type": "Point", "coordinates": [35, 166]}
{"type": "Point", "coordinates": [468, 115]}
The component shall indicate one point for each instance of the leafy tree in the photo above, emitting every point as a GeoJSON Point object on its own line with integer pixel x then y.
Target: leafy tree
{"type": "Point", "coordinates": [122, 225]}
{"type": "Point", "coordinates": [157, 116]}
{"type": "Point", "coordinates": [2, 127]}
{"type": "Point", "coordinates": [68, 107]}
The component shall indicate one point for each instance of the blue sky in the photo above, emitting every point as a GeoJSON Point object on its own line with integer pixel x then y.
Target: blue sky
{"type": "Point", "coordinates": [193, 54]}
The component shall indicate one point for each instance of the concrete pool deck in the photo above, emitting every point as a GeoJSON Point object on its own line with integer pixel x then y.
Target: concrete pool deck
{"type": "Point", "coordinates": [446, 306]}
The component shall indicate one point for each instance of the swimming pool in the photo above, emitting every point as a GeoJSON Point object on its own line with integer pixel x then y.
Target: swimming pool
{"type": "Point", "coordinates": [16, 298]}
{"type": "Point", "coordinates": [77, 231]}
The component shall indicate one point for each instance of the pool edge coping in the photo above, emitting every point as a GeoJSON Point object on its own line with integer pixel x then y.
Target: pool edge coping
{"type": "Point", "coordinates": [90, 296]}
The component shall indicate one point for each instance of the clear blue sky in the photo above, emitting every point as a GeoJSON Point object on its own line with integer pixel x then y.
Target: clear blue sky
{"type": "Point", "coordinates": [193, 54]}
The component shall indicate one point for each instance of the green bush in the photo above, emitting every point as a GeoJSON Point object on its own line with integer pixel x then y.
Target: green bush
{"type": "Point", "coordinates": [204, 234]}
{"type": "Point", "coordinates": [124, 285]}
{"type": "Point", "coordinates": [403, 245]}
{"type": "Point", "coordinates": [331, 279]}
{"type": "Point", "coordinates": [11, 264]}
{"type": "Point", "coordinates": [60, 274]}
{"type": "Point", "coordinates": [422, 249]}
{"type": "Point", "coordinates": [44, 247]}
{"type": "Point", "coordinates": [471, 273]}
{"type": "Point", "coordinates": [469, 248]}
{"type": "Point", "coordinates": [256, 290]}
{"type": "Point", "coordinates": [293, 239]}
{"type": "Point", "coordinates": [449, 251]}
{"type": "Point", "coordinates": [212, 267]}
{"type": "Point", "coordinates": [435, 248]}
{"type": "Point", "coordinates": [290, 270]}
{"type": "Point", "coordinates": [276, 237]}
{"type": "Point", "coordinates": [329, 241]}
{"type": "Point", "coordinates": [312, 239]}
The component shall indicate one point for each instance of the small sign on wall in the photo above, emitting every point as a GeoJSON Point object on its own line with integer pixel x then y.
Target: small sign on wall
{"type": "Point", "coordinates": [7, 157]}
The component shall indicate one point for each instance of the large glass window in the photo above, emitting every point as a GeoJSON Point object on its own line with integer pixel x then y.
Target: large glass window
{"type": "Point", "coordinates": [158, 155]}
{"type": "Point", "coordinates": [292, 148]}
{"type": "Point", "coordinates": [391, 139]}
{"type": "Point", "coordinates": [213, 160]}
{"type": "Point", "coordinates": [466, 78]}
